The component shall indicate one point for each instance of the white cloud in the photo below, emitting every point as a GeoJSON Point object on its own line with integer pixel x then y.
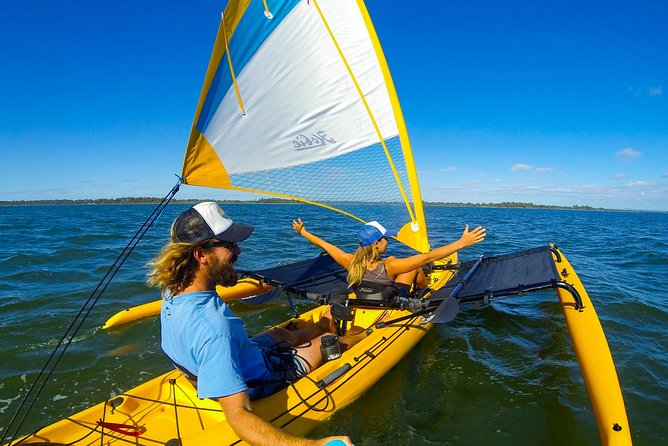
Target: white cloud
{"type": "Point", "coordinates": [96, 182]}
{"type": "Point", "coordinates": [619, 176]}
{"type": "Point", "coordinates": [543, 169]}
{"type": "Point", "coordinates": [643, 90]}
{"type": "Point", "coordinates": [655, 90]}
{"type": "Point", "coordinates": [520, 167]}
{"type": "Point", "coordinates": [448, 169]}
{"type": "Point", "coordinates": [628, 153]}
{"type": "Point", "coordinates": [639, 184]}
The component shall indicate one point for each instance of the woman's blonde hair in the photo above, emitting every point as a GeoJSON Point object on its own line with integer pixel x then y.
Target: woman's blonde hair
{"type": "Point", "coordinates": [173, 268]}
{"type": "Point", "coordinates": [363, 256]}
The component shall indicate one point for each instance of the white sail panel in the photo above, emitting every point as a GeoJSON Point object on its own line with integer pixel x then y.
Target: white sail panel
{"type": "Point", "coordinates": [320, 114]}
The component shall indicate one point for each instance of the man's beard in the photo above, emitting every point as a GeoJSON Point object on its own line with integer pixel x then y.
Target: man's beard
{"type": "Point", "coordinates": [222, 273]}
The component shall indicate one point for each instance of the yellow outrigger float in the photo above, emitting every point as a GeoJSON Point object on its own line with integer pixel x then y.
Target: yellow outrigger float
{"type": "Point", "coordinates": [595, 360]}
{"type": "Point", "coordinates": [298, 103]}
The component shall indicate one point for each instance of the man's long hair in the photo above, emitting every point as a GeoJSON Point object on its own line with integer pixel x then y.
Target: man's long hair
{"type": "Point", "coordinates": [173, 268]}
{"type": "Point", "coordinates": [363, 256]}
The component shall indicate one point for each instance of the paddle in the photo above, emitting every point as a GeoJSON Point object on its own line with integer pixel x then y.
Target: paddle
{"type": "Point", "coordinates": [449, 308]}
{"type": "Point", "coordinates": [446, 311]}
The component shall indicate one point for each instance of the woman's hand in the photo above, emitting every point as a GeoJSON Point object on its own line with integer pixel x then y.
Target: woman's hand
{"type": "Point", "coordinates": [298, 226]}
{"type": "Point", "coordinates": [473, 237]}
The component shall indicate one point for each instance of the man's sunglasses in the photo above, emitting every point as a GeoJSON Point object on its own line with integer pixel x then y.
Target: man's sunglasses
{"type": "Point", "coordinates": [216, 243]}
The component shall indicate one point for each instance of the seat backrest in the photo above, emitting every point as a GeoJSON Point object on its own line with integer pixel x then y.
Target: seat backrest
{"type": "Point", "coordinates": [375, 291]}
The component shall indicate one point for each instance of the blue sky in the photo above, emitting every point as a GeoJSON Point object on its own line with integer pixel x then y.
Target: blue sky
{"type": "Point", "coordinates": [546, 102]}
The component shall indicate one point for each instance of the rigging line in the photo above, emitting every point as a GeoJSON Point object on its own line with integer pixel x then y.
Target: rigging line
{"type": "Point", "coordinates": [229, 62]}
{"type": "Point", "coordinates": [368, 109]}
{"type": "Point", "coordinates": [267, 12]}
{"type": "Point", "coordinates": [104, 417]}
{"type": "Point", "coordinates": [172, 383]}
{"type": "Point", "coordinates": [291, 197]}
{"type": "Point", "coordinates": [92, 430]}
{"type": "Point", "coordinates": [327, 398]}
{"type": "Point", "coordinates": [165, 403]}
{"type": "Point", "coordinates": [77, 441]}
{"type": "Point", "coordinates": [78, 320]}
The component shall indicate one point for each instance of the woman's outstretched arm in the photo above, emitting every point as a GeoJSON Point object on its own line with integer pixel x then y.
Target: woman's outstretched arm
{"type": "Point", "coordinates": [341, 257]}
{"type": "Point", "coordinates": [398, 266]}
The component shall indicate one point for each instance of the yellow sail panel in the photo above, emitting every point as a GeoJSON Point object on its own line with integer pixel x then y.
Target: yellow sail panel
{"type": "Point", "coordinates": [203, 165]}
{"type": "Point", "coordinates": [411, 235]}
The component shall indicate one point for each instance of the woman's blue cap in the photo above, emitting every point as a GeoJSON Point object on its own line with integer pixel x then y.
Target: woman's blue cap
{"type": "Point", "coordinates": [372, 232]}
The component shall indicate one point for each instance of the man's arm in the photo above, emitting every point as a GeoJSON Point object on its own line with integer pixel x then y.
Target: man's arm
{"type": "Point", "coordinates": [254, 430]}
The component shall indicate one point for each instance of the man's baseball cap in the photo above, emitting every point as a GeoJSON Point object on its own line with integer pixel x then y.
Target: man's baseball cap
{"type": "Point", "coordinates": [372, 232]}
{"type": "Point", "coordinates": [206, 221]}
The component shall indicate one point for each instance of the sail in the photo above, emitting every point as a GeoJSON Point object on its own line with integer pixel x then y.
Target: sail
{"type": "Point", "coordinates": [298, 102]}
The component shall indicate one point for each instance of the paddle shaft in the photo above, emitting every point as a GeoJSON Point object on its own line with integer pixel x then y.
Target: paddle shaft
{"type": "Point", "coordinates": [403, 318]}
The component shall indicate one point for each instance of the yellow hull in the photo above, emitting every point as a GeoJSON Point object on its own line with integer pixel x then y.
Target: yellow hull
{"type": "Point", "coordinates": [167, 407]}
{"type": "Point", "coordinates": [595, 360]}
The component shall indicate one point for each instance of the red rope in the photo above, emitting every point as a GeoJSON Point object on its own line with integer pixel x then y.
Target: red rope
{"type": "Point", "coordinates": [125, 429]}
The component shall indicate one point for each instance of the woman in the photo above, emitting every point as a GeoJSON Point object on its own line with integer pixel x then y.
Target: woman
{"type": "Point", "coordinates": [368, 265]}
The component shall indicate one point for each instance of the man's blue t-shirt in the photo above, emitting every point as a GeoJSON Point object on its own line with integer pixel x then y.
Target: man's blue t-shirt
{"type": "Point", "coordinates": [200, 333]}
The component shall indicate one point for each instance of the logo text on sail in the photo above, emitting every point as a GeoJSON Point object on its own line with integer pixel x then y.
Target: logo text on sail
{"type": "Point", "coordinates": [312, 141]}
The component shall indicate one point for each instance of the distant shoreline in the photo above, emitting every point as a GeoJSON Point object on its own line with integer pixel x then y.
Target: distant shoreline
{"type": "Point", "coordinates": [153, 200]}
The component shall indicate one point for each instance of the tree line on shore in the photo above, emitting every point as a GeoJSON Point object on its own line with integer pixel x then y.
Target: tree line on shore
{"type": "Point", "coordinates": [154, 200]}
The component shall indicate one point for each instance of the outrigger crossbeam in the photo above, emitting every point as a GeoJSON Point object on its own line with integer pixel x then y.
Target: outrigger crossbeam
{"type": "Point", "coordinates": [477, 281]}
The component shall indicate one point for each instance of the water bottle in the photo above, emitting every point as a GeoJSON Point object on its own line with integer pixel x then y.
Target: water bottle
{"type": "Point", "coordinates": [329, 348]}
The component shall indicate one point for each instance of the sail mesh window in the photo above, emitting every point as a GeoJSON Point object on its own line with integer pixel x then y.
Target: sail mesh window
{"type": "Point", "coordinates": [361, 176]}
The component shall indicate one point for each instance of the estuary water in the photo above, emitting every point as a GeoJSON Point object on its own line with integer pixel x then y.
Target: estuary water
{"type": "Point", "coordinates": [500, 374]}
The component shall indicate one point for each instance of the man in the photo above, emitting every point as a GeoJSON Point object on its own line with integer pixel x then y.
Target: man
{"type": "Point", "coordinates": [203, 337]}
